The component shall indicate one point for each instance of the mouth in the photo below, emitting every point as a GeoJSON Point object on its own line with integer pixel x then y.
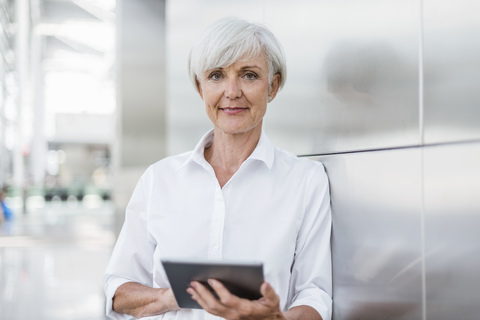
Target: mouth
{"type": "Point", "coordinates": [233, 110]}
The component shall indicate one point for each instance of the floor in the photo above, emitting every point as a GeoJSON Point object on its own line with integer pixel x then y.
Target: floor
{"type": "Point", "coordinates": [52, 261]}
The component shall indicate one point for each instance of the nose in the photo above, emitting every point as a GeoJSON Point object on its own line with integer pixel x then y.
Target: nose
{"type": "Point", "coordinates": [232, 89]}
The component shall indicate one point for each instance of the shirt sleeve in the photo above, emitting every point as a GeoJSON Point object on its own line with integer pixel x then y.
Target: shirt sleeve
{"type": "Point", "coordinates": [311, 278]}
{"type": "Point", "coordinates": [132, 257]}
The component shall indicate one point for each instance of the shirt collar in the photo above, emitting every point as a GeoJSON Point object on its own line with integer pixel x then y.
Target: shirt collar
{"type": "Point", "coordinates": [264, 151]}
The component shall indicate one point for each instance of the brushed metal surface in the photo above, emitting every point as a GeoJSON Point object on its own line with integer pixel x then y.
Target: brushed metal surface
{"type": "Point", "coordinates": [452, 226]}
{"type": "Point", "coordinates": [141, 82]}
{"type": "Point", "coordinates": [452, 70]}
{"type": "Point", "coordinates": [352, 80]}
{"type": "Point", "coordinates": [376, 238]}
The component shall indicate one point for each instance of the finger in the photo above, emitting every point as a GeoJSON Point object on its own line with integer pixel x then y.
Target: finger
{"type": "Point", "coordinates": [269, 294]}
{"type": "Point", "coordinates": [224, 295]}
{"type": "Point", "coordinates": [235, 307]}
{"type": "Point", "coordinates": [196, 296]}
{"type": "Point", "coordinates": [205, 298]}
{"type": "Point", "coordinates": [202, 290]}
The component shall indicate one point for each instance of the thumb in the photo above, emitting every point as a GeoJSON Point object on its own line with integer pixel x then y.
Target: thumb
{"type": "Point", "coordinates": [267, 292]}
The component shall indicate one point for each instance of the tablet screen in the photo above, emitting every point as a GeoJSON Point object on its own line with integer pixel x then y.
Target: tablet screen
{"type": "Point", "coordinates": [241, 279]}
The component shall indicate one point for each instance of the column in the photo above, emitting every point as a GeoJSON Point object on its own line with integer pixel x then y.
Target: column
{"type": "Point", "coordinates": [140, 136]}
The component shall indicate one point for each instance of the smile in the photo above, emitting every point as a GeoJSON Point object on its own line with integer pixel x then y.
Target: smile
{"type": "Point", "coordinates": [233, 110]}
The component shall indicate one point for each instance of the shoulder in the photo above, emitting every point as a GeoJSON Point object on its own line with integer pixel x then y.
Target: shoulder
{"type": "Point", "coordinates": [168, 165]}
{"type": "Point", "coordinates": [291, 161]}
{"type": "Point", "coordinates": [300, 171]}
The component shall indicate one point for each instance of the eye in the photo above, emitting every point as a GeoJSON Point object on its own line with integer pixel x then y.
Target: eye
{"type": "Point", "coordinates": [250, 76]}
{"type": "Point", "coordinates": [215, 76]}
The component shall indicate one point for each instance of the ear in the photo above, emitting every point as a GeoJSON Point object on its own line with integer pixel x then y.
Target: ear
{"type": "Point", "coordinates": [199, 88]}
{"type": "Point", "coordinates": [274, 86]}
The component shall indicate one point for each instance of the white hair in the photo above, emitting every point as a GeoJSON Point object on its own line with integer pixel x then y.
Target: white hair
{"type": "Point", "coordinates": [228, 40]}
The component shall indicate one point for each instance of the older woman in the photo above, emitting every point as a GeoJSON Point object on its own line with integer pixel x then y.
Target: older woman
{"type": "Point", "coordinates": [234, 197]}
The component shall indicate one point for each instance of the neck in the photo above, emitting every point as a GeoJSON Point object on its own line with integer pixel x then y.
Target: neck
{"type": "Point", "coordinates": [228, 151]}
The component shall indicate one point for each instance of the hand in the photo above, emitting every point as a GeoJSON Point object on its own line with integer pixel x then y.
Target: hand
{"type": "Point", "coordinates": [231, 307]}
{"type": "Point", "coordinates": [141, 301]}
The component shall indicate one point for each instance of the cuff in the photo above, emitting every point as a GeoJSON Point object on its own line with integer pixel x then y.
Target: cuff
{"type": "Point", "coordinates": [317, 299]}
{"type": "Point", "coordinates": [111, 285]}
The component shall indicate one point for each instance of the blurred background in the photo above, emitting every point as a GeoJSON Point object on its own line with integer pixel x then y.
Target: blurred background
{"type": "Point", "coordinates": [384, 93]}
{"type": "Point", "coordinates": [57, 100]}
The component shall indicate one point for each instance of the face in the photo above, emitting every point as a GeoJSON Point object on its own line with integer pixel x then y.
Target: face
{"type": "Point", "coordinates": [236, 96]}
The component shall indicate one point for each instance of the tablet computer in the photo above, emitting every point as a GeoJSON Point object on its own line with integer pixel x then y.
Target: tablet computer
{"type": "Point", "coordinates": [241, 279]}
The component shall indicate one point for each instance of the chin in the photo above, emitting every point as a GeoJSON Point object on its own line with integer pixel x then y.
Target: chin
{"type": "Point", "coordinates": [239, 129]}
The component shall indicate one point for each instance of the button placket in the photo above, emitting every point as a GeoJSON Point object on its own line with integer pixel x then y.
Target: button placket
{"type": "Point", "coordinates": [216, 227]}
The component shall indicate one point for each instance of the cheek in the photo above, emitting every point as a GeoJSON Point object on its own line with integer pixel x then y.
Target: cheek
{"type": "Point", "coordinates": [211, 97]}
{"type": "Point", "coordinates": [258, 97]}
{"type": "Point", "coordinates": [210, 104]}
{"type": "Point", "coordinates": [260, 91]}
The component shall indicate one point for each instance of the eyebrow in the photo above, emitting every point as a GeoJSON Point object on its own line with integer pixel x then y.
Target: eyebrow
{"type": "Point", "coordinates": [244, 67]}
{"type": "Point", "coordinates": [250, 67]}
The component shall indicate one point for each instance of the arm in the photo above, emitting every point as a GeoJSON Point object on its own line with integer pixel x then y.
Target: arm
{"type": "Point", "coordinates": [129, 276]}
{"type": "Point", "coordinates": [311, 274]}
{"type": "Point", "coordinates": [302, 313]}
{"type": "Point", "coordinates": [141, 301]}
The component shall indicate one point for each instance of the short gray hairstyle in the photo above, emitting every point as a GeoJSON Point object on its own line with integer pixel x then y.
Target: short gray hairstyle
{"type": "Point", "coordinates": [230, 39]}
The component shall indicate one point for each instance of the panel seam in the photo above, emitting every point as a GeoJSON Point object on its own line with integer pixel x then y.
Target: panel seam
{"type": "Point", "coordinates": [421, 128]}
{"type": "Point", "coordinates": [421, 77]}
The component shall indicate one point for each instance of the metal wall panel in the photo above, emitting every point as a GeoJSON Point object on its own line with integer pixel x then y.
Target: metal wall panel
{"type": "Point", "coordinates": [452, 70]}
{"type": "Point", "coordinates": [141, 82]}
{"type": "Point", "coordinates": [452, 226]}
{"type": "Point", "coordinates": [352, 79]}
{"type": "Point", "coordinates": [353, 75]}
{"type": "Point", "coordinates": [376, 239]}
{"type": "Point", "coordinates": [141, 89]}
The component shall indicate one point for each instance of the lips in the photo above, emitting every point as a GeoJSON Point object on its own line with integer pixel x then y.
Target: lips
{"type": "Point", "coordinates": [233, 110]}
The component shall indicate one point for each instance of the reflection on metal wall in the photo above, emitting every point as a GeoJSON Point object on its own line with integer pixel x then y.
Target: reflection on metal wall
{"type": "Point", "coordinates": [452, 70]}
{"type": "Point", "coordinates": [384, 203]}
{"type": "Point", "coordinates": [353, 77]}
{"type": "Point", "coordinates": [376, 238]}
{"type": "Point", "coordinates": [425, 197]}
{"type": "Point", "coordinates": [452, 225]}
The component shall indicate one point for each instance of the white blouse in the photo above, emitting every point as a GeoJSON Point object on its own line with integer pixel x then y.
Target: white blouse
{"type": "Point", "coordinates": [275, 209]}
